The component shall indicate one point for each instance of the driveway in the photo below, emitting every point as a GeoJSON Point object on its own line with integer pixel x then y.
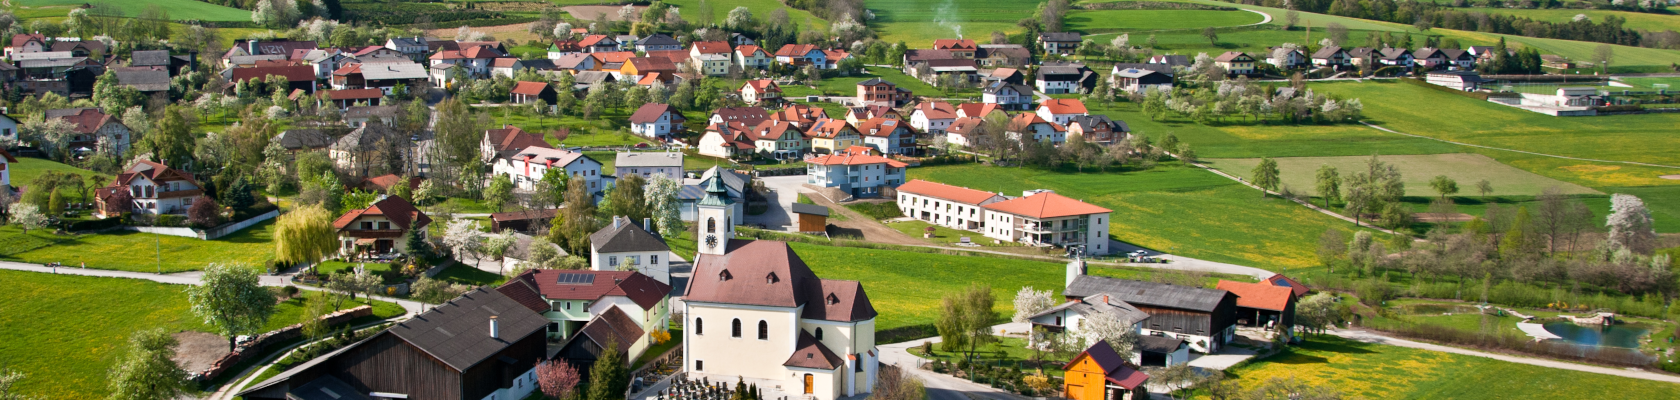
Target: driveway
{"type": "Point", "coordinates": [1186, 263]}
{"type": "Point", "coordinates": [941, 386]}
{"type": "Point", "coordinates": [783, 192]}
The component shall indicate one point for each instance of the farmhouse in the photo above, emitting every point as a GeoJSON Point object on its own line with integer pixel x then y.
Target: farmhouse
{"type": "Point", "coordinates": [1140, 81]}
{"type": "Point", "coordinates": [575, 305]}
{"type": "Point", "coordinates": [1027, 126]}
{"type": "Point", "coordinates": [598, 44]}
{"type": "Point", "coordinates": [880, 92]}
{"type": "Point", "coordinates": [1062, 43]}
{"type": "Point", "coordinates": [1206, 318]}
{"type": "Point", "coordinates": [860, 175]}
{"type": "Point", "coordinates": [711, 58]}
{"type": "Point", "coordinates": [761, 91]}
{"type": "Point", "coordinates": [800, 115]}
{"type": "Point", "coordinates": [1009, 96]}
{"type": "Point", "coordinates": [1235, 63]}
{"type": "Point", "coordinates": [381, 227]}
{"type": "Point", "coordinates": [483, 344]}
{"type": "Point", "coordinates": [744, 115]}
{"type": "Point", "coordinates": [144, 188]}
{"type": "Point", "coordinates": [371, 148]}
{"type": "Point", "coordinates": [1064, 78]}
{"type": "Point", "coordinates": [499, 142]}
{"type": "Point", "coordinates": [93, 131]}
{"type": "Point", "coordinates": [1061, 111]}
{"type": "Point", "coordinates": [1263, 305]}
{"type": "Point", "coordinates": [757, 312]}
{"type": "Point", "coordinates": [1332, 57]}
{"type": "Point", "coordinates": [1097, 129]}
{"type": "Point", "coordinates": [1069, 317]}
{"type": "Point", "coordinates": [623, 245]}
{"type": "Point", "coordinates": [668, 165]}
{"type": "Point", "coordinates": [752, 56]}
{"type": "Point", "coordinates": [346, 98]}
{"type": "Point", "coordinates": [1286, 58]}
{"type": "Point", "coordinates": [531, 92]}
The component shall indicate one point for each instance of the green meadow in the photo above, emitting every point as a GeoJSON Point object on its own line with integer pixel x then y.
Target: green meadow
{"type": "Point", "coordinates": [919, 22]}
{"type": "Point", "coordinates": [1417, 170]}
{"type": "Point", "coordinates": [179, 10]}
{"type": "Point", "coordinates": [1101, 21]}
{"type": "Point", "coordinates": [28, 168]}
{"type": "Point", "coordinates": [135, 251]}
{"type": "Point", "coordinates": [1631, 20]}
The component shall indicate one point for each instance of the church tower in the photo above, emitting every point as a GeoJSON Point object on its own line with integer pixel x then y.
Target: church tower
{"type": "Point", "coordinates": [715, 228]}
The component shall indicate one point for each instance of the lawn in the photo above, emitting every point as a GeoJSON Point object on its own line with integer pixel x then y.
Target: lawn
{"type": "Point", "coordinates": [1673, 83]}
{"type": "Point", "coordinates": [1631, 20]}
{"type": "Point", "coordinates": [139, 252]}
{"type": "Point", "coordinates": [177, 9]}
{"type": "Point", "coordinates": [1417, 170]}
{"type": "Point", "coordinates": [919, 22]}
{"type": "Point", "coordinates": [1374, 371]}
{"type": "Point", "coordinates": [64, 331]}
{"type": "Point", "coordinates": [1005, 352]}
{"type": "Point", "coordinates": [847, 86]}
{"type": "Point", "coordinates": [1171, 208]}
{"type": "Point", "coordinates": [1241, 139]}
{"type": "Point", "coordinates": [470, 275]}
{"type": "Point", "coordinates": [1102, 21]}
{"type": "Point", "coordinates": [761, 10]}
{"type": "Point", "coordinates": [27, 169]}
{"type": "Point", "coordinates": [604, 130]}
{"type": "Point", "coordinates": [944, 235]}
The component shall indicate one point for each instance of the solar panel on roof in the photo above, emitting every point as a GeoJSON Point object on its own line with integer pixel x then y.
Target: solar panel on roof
{"type": "Point", "coordinates": [576, 279]}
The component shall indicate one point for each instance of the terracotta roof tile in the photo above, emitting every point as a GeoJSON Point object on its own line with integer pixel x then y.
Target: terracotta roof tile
{"type": "Point", "coordinates": [947, 192]}
{"type": "Point", "coordinates": [1046, 205]}
{"type": "Point", "coordinates": [1258, 295]}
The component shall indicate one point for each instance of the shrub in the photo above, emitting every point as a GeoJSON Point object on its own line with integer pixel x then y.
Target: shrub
{"type": "Point", "coordinates": [205, 213]}
{"type": "Point", "coordinates": [171, 220]}
{"type": "Point", "coordinates": [886, 210]}
{"type": "Point", "coordinates": [290, 290]}
{"type": "Point", "coordinates": [96, 224]}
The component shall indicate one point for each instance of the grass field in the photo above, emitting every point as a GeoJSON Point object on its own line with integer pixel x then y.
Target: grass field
{"type": "Point", "coordinates": [1632, 20]}
{"type": "Point", "coordinates": [1238, 139]}
{"type": "Point", "coordinates": [919, 22]}
{"type": "Point", "coordinates": [1374, 371]}
{"type": "Point", "coordinates": [944, 235]}
{"type": "Point", "coordinates": [1171, 208]}
{"type": "Point", "coordinates": [27, 169]}
{"type": "Point", "coordinates": [761, 10]}
{"type": "Point", "coordinates": [847, 86]}
{"type": "Point", "coordinates": [64, 331]}
{"type": "Point", "coordinates": [139, 252]}
{"type": "Point", "coordinates": [1299, 173]}
{"type": "Point", "coordinates": [1673, 83]}
{"type": "Point", "coordinates": [1101, 21]}
{"type": "Point", "coordinates": [179, 10]}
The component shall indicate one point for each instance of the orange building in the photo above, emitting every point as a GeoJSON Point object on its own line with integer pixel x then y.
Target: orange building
{"type": "Point", "coordinates": [1100, 374]}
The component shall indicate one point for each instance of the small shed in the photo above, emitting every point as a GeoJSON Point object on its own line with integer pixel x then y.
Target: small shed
{"type": "Point", "coordinates": [1162, 351]}
{"type": "Point", "coordinates": [525, 221]}
{"type": "Point", "coordinates": [812, 218]}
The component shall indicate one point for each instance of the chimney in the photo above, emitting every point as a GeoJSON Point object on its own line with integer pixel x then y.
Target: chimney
{"type": "Point", "coordinates": [1105, 298]}
{"type": "Point", "coordinates": [647, 224]}
{"type": "Point", "coordinates": [495, 328]}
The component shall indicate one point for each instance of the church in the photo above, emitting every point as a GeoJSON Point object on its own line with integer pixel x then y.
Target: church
{"type": "Point", "coordinates": [756, 311]}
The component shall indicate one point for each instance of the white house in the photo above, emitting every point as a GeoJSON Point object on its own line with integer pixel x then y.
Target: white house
{"type": "Point", "coordinates": [1024, 126]}
{"type": "Point", "coordinates": [945, 205]}
{"type": "Point", "coordinates": [887, 135]}
{"type": "Point", "coordinates": [757, 313]}
{"type": "Point", "coordinates": [752, 56]}
{"type": "Point", "coordinates": [760, 91]}
{"type": "Point", "coordinates": [859, 175]}
{"type": "Point", "coordinates": [527, 166]}
{"type": "Point", "coordinates": [1047, 218]}
{"type": "Point", "coordinates": [573, 299]}
{"type": "Point", "coordinates": [656, 120]}
{"type": "Point", "coordinates": [933, 117]}
{"type": "Point", "coordinates": [1069, 317]}
{"type": "Point", "coordinates": [1010, 96]}
{"type": "Point", "coordinates": [1286, 58]}
{"type": "Point", "coordinates": [711, 58]}
{"type": "Point", "coordinates": [623, 245]}
{"type": "Point", "coordinates": [647, 164]}
{"type": "Point", "coordinates": [1457, 80]}
{"type": "Point", "coordinates": [6, 161]}
{"type": "Point", "coordinates": [1061, 111]}
{"type": "Point", "coordinates": [144, 188]}
{"type": "Point", "coordinates": [381, 227]}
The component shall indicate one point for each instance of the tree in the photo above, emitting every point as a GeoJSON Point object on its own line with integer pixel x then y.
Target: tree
{"type": "Point", "coordinates": [147, 371]}
{"type": "Point", "coordinates": [230, 298]}
{"type": "Point", "coordinates": [27, 216]}
{"type": "Point", "coordinates": [313, 326]}
{"type": "Point", "coordinates": [1211, 34]}
{"type": "Point", "coordinates": [1444, 185]}
{"type": "Point", "coordinates": [464, 238]}
{"type": "Point", "coordinates": [1631, 226]}
{"type": "Point", "coordinates": [204, 213]}
{"type": "Point", "coordinates": [496, 246]}
{"type": "Point", "coordinates": [1602, 56]}
{"type": "Point", "coordinates": [1120, 334]}
{"type": "Point", "coordinates": [1318, 312]}
{"type": "Point", "coordinates": [1175, 378]}
{"type": "Point", "coordinates": [1266, 175]}
{"type": "Point", "coordinates": [898, 384]}
{"type": "Point", "coordinates": [1329, 184]}
{"type": "Point", "coordinates": [1029, 302]}
{"type": "Point", "coordinates": [557, 378]}
{"type": "Point", "coordinates": [578, 217]}
{"type": "Point", "coordinates": [739, 19]}
{"type": "Point", "coordinates": [499, 193]}
{"type": "Point", "coordinates": [171, 140]}
{"type": "Point", "coordinates": [965, 320]}
{"type": "Point", "coordinates": [1484, 187]}
{"type": "Point", "coordinates": [629, 199]}
{"type": "Point", "coordinates": [608, 378]}
{"type": "Point", "coordinates": [436, 291]}
{"type": "Point", "coordinates": [1291, 19]}
{"type": "Point", "coordinates": [10, 377]}
{"type": "Point", "coordinates": [665, 206]}
{"type": "Point", "coordinates": [305, 235]}
{"type": "Point", "coordinates": [1331, 247]}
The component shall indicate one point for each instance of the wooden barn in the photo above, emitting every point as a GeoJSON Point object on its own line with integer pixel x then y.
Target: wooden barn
{"type": "Point", "coordinates": [1263, 305]}
{"type": "Point", "coordinates": [812, 218]}
{"type": "Point", "coordinates": [483, 344]}
{"type": "Point", "coordinates": [1206, 318]}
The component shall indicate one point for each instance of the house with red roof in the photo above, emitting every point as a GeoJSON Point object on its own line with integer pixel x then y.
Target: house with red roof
{"type": "Point", "coordinates": [381, 227]}
{"type": "Point", "coordinates": [800, 55]}
{"type": "Point", "coordinates": [752, 56]}
{"type": "Point", "coordinates": [756, 311]}
{"type": "Point", "coordinates": [933, 116]}
{"type": "Point", "coordinates": [657, 120]}
{"type": "Point", "coordinates": [1100, 373]}
{"type": "Point", "coordinates": [891, 136]}
{"type": "Point", "coordinates": [148, 188]}
{"type": "Point", "coordinates": [531, 92]}
{"type": "Point", "coordinates": [297, 76]}
{"type": "Point", "coordinates": [712, 58]}
{"type": "Point", "coordinates": [1263, 305]}
{"type": "Point", "coordinates": [499, 142]}
{"type": "Point", "coordinates": [945, 205]}
{"type": "Point", "coordinates": [26, 43]}
{"type": "Point", "coordinates": [1044, 218]}
{"type": "Point", "coordinates": [960, 48]}
{"type": "Point", "coordinates": [760, 91]}
{"type": "Point", "coordinates": [964, 131]}
{"type": "Point", "coordinates": [1032, 127]}
{"type": "Point", "coordinates": [476, 60]}
{"type": "Point", "coordinates": [774, 139]}
{"type": "Point", "coordinates": [527, 166]}
{"type": "Point", "coordinates": [860, 175]}
{"type": "Point", "coordinates": [1062, 111]}
{"type": "Point", "coordinates": [598, 44]}
{"type": "Point", "coordinates": [830, 136]}
{"type": "Point", "coordinates": [599, 306]}
{"type": "Point", "coordinates": [93, 131]}
{"type": "Point", "coordinates": [800, 115]}
{"type": "Point", "coordinates": [344, 99]}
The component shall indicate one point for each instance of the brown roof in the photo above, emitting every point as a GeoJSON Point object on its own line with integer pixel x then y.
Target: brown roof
{"type": "Point", "coordinates": [529, 88]}
{"type": "Point", "coordinates": [978, 110]}
{"type": "Point", "coordinates": [800, 114]}
{"type": "Point", "coordinates": [676, 56]}
{"type": "Point", "coordinates": [1046, 205]}
{"type": "Point", "coordinates": [398, 210]}
{"type": "Point", "coordinates": [385, 182]}
{"type": "Point", "coordinates": [1258, 295]}
{"type": "Point", "coordinates": [20, 39]}
{"type": "Point", "coordinates": [1284, 281]}
{"type": "Point", "coordinates": [513, 138]}
{"type": "Point", "coordinates": [613, 326]}
{"type": "Point", "coordinates": [761, 85]}
{"type": "Point", "coordinates": [83, 120]}
{"type": "Point", "coordinates": [746, 115]}
{"type": "Point", "coordinates": [524, 292]}
{"type": "Point", "coordinates": [795, 50]}
{"type": "Point", "coordinates": [954, 44]}
{"type": "Point", "coordinates": [556, 284]}
{"type": "Point", "coordinates": [1114, 367]}
{"type": "Point", "coordinates": [769, 273]}
{"type": "Point", "coordinates": [772, 130]}
{"type": "Point", "coordinates": [653, 64]}
{"type": "Point", "coordinates": [881, 127]}
{"type": "Point", "coordinates": [292, 73]}
{"type": "Point", "coordinates": [965, 126]}
{"type": "Point", "coordinates": [712, 47]}
{"type": "Point", "coordinates": [354, 94]}
{"type": "Point", "coordinates": [650, 112]}
{"type": "Point", "coordinates": [1023, 121]}
{"type": "Point", "coordinates": [841, 301]}
{"type": "Point", "coordinates": [7, 156]}
{"type": "Point", "coordinates": [953, 193]}
{"type": "Point", "coordinates": [1230, 56]}
{"type": "Point", "coordinates": [808, 352]}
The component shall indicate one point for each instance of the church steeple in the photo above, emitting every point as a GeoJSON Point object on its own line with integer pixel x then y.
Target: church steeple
{"type": "Point", "coordinates": [715, 228]}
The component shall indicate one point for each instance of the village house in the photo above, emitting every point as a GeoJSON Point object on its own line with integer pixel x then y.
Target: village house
{"type": "Point", "coordinates": [577, 62]}
{"type": "Point", "coordinates": [1332, 57]}
{"type": "Point", "coordinates": [773, 139]}
{"type": "Point", "coordinates": [859, 175]}
{"type": "Point", "coordinates": [1458, 59]}
{"type": "Point", "coordinates": [1141, 81]}
{"type": "Point", "coordinates": [370, 149]}
{"type": "Point", "coordinates": [756, 312]}
{"type": "Point", "coordinates": [881, 92]}
{"type": "Point", "coordinates": [1064, 78]}
{"type": "Point", "coordinates": [752, 56]}
{"type": "Point", "coordinates": [1099, 373]}
{"type": "Point", "coordinates": [890, 136]}
{"type": "Point", "coordinates": [623, 245]}
{"type": "Point", "coordinates": [1286, 58]}
{"type": "Point", "coordinates": [1205, 318]}
{"type": "Point", "coordinates": [979, 110]}
{"type": "Point", "coordinates": [359, 116]}
{"type": "Point", "coordinates": [162, 59]}
{"type": "Point", "coordinates": [1097, 129]}
{"type": "Point", "coordinates": [800, 115]}
{"type": "Point", "coordinates": [93, 131]}
{"type": "Point", "coordinates": [856, 115]}
{"type": "Point", "coordinates": [475, 60]}
{"type": "Point", "coordinates": [152, 82]}
{"type": "Point", "coordinates": [599, 44]}
{"type": "Point", "coordinates": [381, 227]}
{"type": "Point", "coordinates": [484, 344]}
{"type": "Point", "coordinates": [346, 98]}
{"type": "Point", "coordinates": [1005, 75]}
{"type": "Point", "coordinates": [945, 205]}
{"type": "Point", "coordinates": [726, 140]}
{"type": "Point", "coordinates": [505, 67]}
{"type": "Point", "coordinates": [1003, 55]}
{"type": "Point", "coordinates": [507, 139]}
{"type": "Point", "coordinates": [26, 43]}
{"type": "Point", "coordinates": [577, 305]}
{"type": "Point", "coordinates": [1061, 111]}
{"type": "Point", "coordinates": [962, 131]}
{"type": "Point", "coordinates": [414, 48]}
{"type": "Point", "coordinates": [830, 136]}
{"type": "Point", "coordinates": [744, 115]}
{"type": "Point", "coordinates": [711, 58]}
{"type": "Point", "coordinates": [531, 92]}
{"type": "Point", "coordinates": [657, 121]}
{"type": "Point", "coordinates": [526, 166]}
{"type": "Point", "coordinates": [1396, 57]}
{"type": "Point", "coordinates": [648, 165]}
{"type": "Point", "coordinates": [959, 48]}
{"type": "Point", "coordinates": [1009, 96]}
{"type": "Point", "coordinates": [800, 55]}
{"type": "Point", "coordinates": [1235, 63]}
{"type": "Point", "coordinates": [561, 48]}
{"type": "Point", "coordinates": [383, 76]}
{"type": "Point", "coordinates": [1028, 126]}
{"type": "Point", "coordinates": [1263, 305]}
{"type": "Point", "coordinates": [1062, 43]}
{"type": "Point", "coordinates": [656, 42]}
{"type": "Point", "coordinates": [933, 117]}
{"type": "Point", "coordinates": [1430, 58]}
{"type": "Point", "coordinates": [1044, 218]}
{"type": "Point", "coordinates": [298, 77]}
{"type": "Point", "coordinates": [146, 188]}
{"type": "Point", "coordinates": [761, 92]}
{"type": "Point", "coordinates": [306, 139]}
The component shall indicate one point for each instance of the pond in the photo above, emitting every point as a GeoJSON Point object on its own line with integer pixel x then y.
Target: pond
{"type": "Point", "coordinates": [1621, 335]}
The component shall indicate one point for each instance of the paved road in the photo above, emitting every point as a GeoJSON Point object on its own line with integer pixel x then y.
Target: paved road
{"type": "Point", "coordinates": [941, 386]}
{"type": "Point", "coordinates": [184, 278]}
{"type": "Point", "coordinates": [1371, 337]}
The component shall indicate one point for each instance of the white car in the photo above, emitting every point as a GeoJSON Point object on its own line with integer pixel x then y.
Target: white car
{"type": "Point", "coordinates": [1138, 253]}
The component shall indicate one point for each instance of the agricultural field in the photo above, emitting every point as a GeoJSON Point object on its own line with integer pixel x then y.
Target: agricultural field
{"type": "Point", "coordinates": [180, 10]}
{"type": "Point", "coordinates": [1171, 208]}
{"type": "Point", "coordinates": [135, 251]}
{"type": "Point", "coordinates": [918, 22]}
{"type": "Point", "coordinates": [1631, 20]}
{"type": "Point", "coordinates": [1646, 83]}
{"type": "Point", "coordinates": [1239, 138]}
{"type": "Point", "coordinates": [1375, 371]}
{"type": "Point", "coordinates": [760, 8]}
{"type": "Point", "coordinates": [28, 168]}
{"type": "Point", "coordinates": [1417, 170]}
{"type": "Point", "coordinates": [1103, 21]}
{"type": "Point", "coordinates": [65, 331]}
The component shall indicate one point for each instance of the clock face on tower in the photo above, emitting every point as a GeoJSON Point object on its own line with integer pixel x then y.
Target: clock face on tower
{"type": "Point", "coordinates": [711, 241]}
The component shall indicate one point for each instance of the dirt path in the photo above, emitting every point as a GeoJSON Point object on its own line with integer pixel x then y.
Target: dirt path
{"type": "Point", "coordinates": [863, 225]}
